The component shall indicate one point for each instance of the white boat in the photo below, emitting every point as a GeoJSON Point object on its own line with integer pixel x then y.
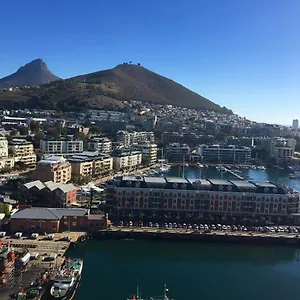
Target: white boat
{"type": "Point", "coordinates": [67, 279]}
{"type": "Point", "coordinates": [200, 165]}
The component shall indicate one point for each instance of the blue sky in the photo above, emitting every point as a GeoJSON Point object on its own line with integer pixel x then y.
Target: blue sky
{"type": "Point", "coordinates": [238, 53]}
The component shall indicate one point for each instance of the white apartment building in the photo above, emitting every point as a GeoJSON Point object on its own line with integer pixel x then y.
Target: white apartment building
{"type": "Point", "coordinates": [283, 149]}
{"type": "Point", "coordinates": [126, 160]}
{"type": "Point", "coordinates": [61, 146]}
{"type": "Point", "coordinates": [149, 152]}
{"type": "Point", "coordinates": [3, 147]}
{"type": "Point", "coordinates": [128, 138]}
{"type": "Point", "coordinates": [224, 154]}
{"type": "Point", "coordinates": [23, 152]}
{"type": "Point", "coordinates": [101, 144]}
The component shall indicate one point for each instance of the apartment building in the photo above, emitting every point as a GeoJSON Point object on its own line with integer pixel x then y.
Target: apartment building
{"type": "Point", "coordinates": [149, 152]}
{"type": "Point", "coordinates": [125, 159]}
{"type": "Point", "coordinates": [54, 168]}
{"type": "Point", "coordinates": [101, 144]}
{"type": "Point", "coordinates": [224, 154]}
{"type": "Point", "coordinates": [180, 197]}
{"type": "Point", "coordinates": [23, 152]}
{"type": "Point", "coordinates": [178, 152]}
{"type": "Point", "coordinates": [91, 164]}
{"type": "Point", "coordinates": [3, 147]}
{"type": "Point", "coordinates": [127, 138]}
{"type": "Point", "coordinates": [61, 146]}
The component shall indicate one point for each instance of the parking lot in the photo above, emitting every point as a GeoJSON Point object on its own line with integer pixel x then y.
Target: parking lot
{"type": "Point", "coordinates": [207, 228]}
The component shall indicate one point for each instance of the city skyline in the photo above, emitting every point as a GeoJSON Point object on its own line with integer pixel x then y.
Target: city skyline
{"type": "Point", "coordinates": [240, 55]}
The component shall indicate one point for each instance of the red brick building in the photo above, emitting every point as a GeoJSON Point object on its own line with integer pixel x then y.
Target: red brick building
{"type": "Point", "coordinates": [51, 220]}
{"type": "Point", "coordinates": [49, 194]}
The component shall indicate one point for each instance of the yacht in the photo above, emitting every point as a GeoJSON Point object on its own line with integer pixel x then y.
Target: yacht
{"type": "Point", "coordinates": [67, 279]}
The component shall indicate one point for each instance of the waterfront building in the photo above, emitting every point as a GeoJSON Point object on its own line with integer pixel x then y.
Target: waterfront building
{"type": "Point", "coordinates": [178, 152]}
{"type": "Point", "coordinates": [181, 197]}
{"type": "Point", "coordinates": [224, 154]}
{"type": "Point", "coordinates": [240, 141]}
{"type": "Point", "coordinates": [61, 146]}
{"type": "Point", "coordinates": [149, 152]}
{"type": "Point", "coordinates": [53, 220]}
{"type": "Point", "coordinates": [48, 194]}
{"type": "Point", "coordinates": [127, 138]}
{"type": "Point", "coordinates": [54, 168]}
{"type": "Point", "coordinates": [125, 159]}
{"type": "Point", "coordinates": [101, 144]}
{"type": "Point", "coordinates": [295, 124]}
{"type": "Point", "coordinates": [23, 152]}
{"type": "Point", "coordinates": [91, 164]}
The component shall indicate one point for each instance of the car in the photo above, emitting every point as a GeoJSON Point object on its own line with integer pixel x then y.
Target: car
{"type": "Point", "coordinates": [174, 225]}
{"type": "Point", "coordinates": [141, 224]}
{"type": "Point", "coordinates": [196, 226]}
{"type": "Point", "coordinates": [130, 223]}
{"type": "Point", "coordinates": [121, 223]}
{"type": "Point", "coordinates": [170, 225]}
{"type": "Point", "coordinates": [166, 225]}
{"type": "Point", "coordinates": [150, 224]}
{"type": "Point", "coordinates": [184, 225]}
{"type": "Point", "coordinates": [190, 226]}
{"type": "Point", "coordinates": [179, 226]}
{"type": "Point", "coordinates": [201, 226]}
{"type": "Point", "coordinates": [156, 225]}
{"type": "Point", "coordinates": [213, 227]}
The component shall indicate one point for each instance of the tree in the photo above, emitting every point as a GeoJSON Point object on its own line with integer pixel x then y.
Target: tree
{"type": "Point", "coordinates": [4, 208]}
{"type": "Point", "coordinates": [23, 130]}
{"type": "Point", "coordinates": [34, 127]}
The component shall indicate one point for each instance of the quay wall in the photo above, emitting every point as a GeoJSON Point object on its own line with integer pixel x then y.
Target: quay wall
{"type": "Point", "coordinates": [242, 238]}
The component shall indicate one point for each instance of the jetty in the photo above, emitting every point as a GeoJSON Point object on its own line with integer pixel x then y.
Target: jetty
{"type": "Point", "coordinates": [199, 235]}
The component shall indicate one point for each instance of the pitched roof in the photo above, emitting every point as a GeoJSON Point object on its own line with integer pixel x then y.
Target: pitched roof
{"type": "Point", "coordinates": [44, 213]}
{"type": "Point", "coordinates": [37, 183]}
{"type": "Point", "coordinates": [50, 185]}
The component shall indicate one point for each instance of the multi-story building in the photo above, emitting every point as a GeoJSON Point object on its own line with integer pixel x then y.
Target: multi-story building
{"type": "Point", "coordinates": [6, 162]}
{"type": "Point", "coordinates": [224, 154]}
{"type": "Point", "coordinates": [23, 152]}
{"type": "Point", "coordinates": [282, 149]}
{"type": "Point", "coordinates": [91, 164]}
{"type": "Point", "coordinates": [240, 141]}
{"type": "Point", "coordinates": [127, 138]}
{"type": "Point", "coordinates": [48, 194]}
{"type": "Point", "coordinates": [149, 152]}
{"type": "Point", "coordinates": [124, 159]}
{"type": "Point", "coordinates": [54, 168]}
{"type": "Point", "coordinates": [61, 146]}
{"type": "Point", "coordinates": [295, 124]}
{"type": "Point", "coordinates": [180, 197]}
{"type": "Point", "coordinates": [178, 152]}
{"type": "Point", "coordinates": [101, 144]}
{"type": "Point", "coordinates": [3, 147]}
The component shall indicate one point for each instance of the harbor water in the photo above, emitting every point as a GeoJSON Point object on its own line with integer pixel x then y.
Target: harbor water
{"type": "Point", "coordinates": [192, 270]}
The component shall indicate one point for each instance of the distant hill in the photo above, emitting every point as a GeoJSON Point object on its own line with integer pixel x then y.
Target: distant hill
{"type": "Point", "coordinates": [109, 88]}
{"type": "Point", "coordinates": [34, 73]}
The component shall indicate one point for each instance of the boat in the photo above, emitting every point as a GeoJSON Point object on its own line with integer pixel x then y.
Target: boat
{"type": "Point", "coordinates": [294, 176]}
{"type": "Point", "coordinates": [162, 297]}
{"type": "Point", "coordinates": [32, 293]}
{"type": "Point", "coordinates": [200, 165]}
{"type": "Point", "coordinates": [67, 280]}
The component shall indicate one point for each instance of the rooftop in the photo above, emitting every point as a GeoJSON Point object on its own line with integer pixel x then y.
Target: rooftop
{"type": "Point", "coordinates": [219, 182]}
{"type": "Point", "coordinates": [176, 180]}
{"type": "Point", "coordinates": [44, 213]}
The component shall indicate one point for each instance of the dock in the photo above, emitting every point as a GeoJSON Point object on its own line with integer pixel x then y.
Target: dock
{"type": "Point", "coordinates": [199, 235]}
{"type": "Point", "coordinates": [51, 255]}
{"type": "Point", "coordinates": [232, 173]}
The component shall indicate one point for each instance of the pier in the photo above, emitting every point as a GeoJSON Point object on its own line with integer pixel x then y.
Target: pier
{"type": "Point", "coordinates": [232, 173]}
{"type": "Point", "coordinates": [199, 236]}
{"type": "Point", "coordinates": [51, 255]}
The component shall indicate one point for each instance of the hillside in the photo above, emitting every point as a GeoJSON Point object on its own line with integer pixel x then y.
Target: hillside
{"type": "Point", "coordinates": [34, 73]}
{"type": "Point", "coordinates": [109, 88]}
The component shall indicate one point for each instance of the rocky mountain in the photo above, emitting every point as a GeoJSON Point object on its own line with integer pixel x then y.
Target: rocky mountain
{"type": "Point", "coordinates": [108, 88]}
{"type": "Point", "coordinates": [34, 73]}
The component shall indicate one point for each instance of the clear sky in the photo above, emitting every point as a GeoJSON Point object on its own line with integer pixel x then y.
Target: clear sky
{"type": "Point", "coordinates": [244, 54]}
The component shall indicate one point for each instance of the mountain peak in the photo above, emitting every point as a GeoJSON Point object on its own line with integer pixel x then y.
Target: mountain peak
{"type": "Point", "coordinates": [35, 72]}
